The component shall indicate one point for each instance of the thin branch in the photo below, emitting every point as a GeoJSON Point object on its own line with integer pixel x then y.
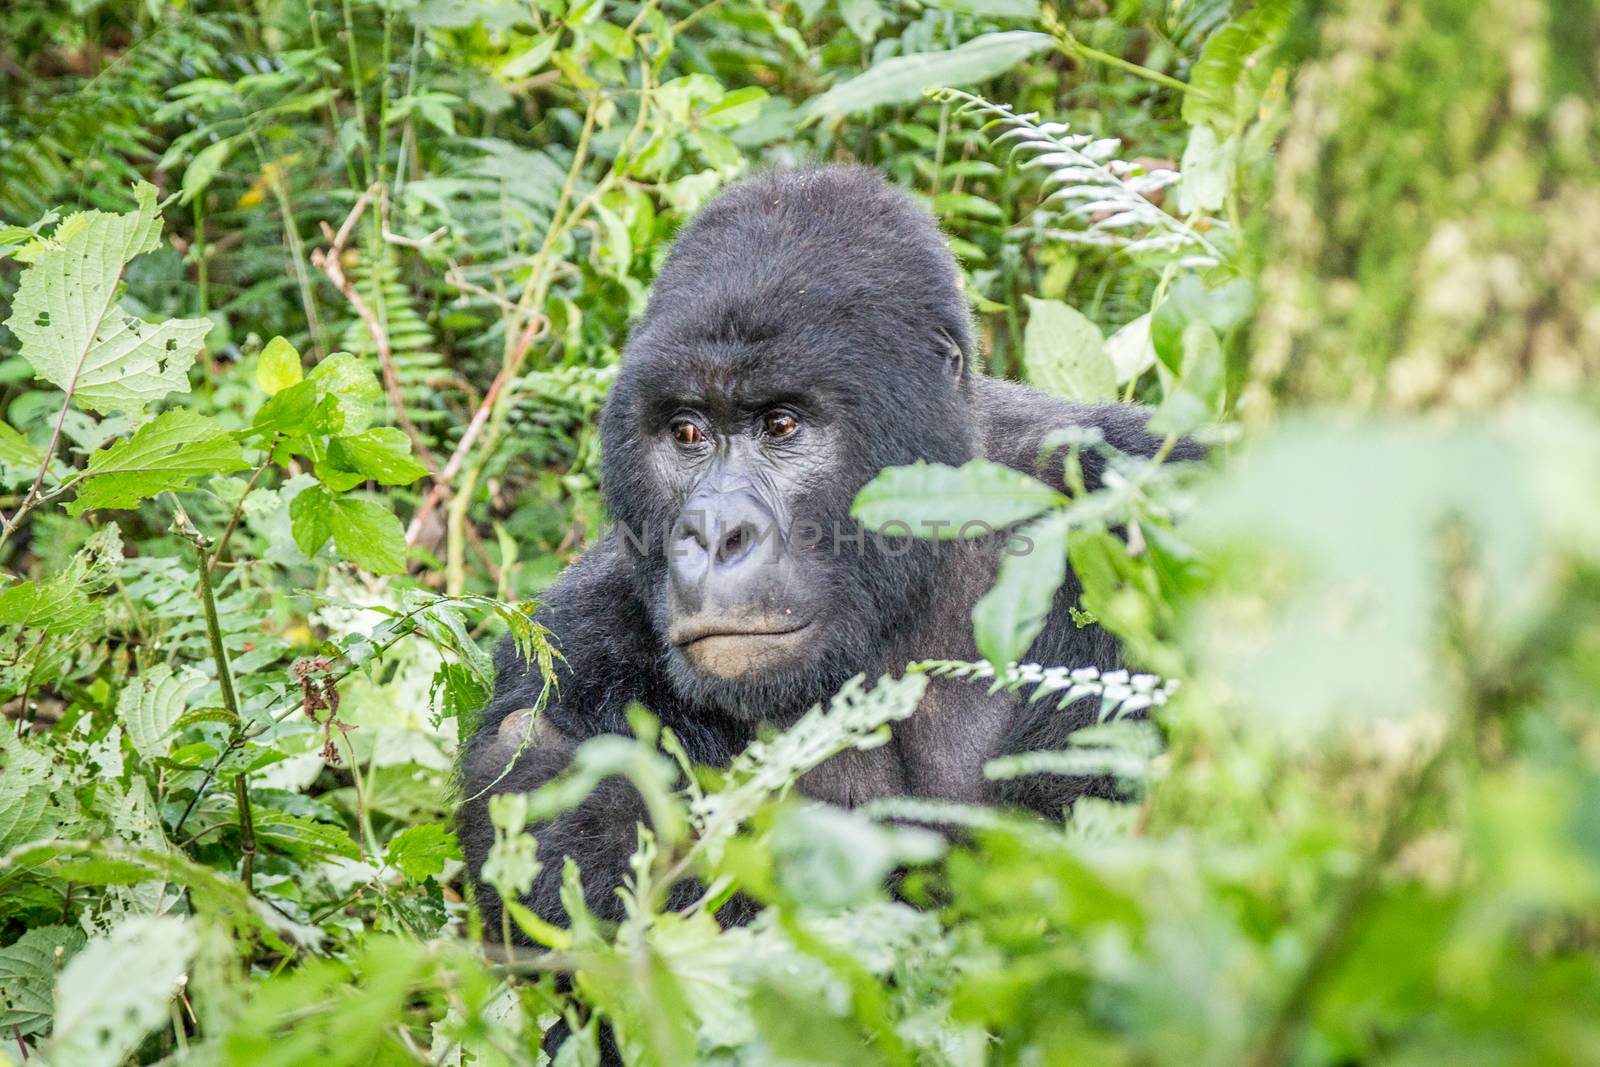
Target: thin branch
{"type": "Point", "coordinates": [329, 262]}
{"type": "Point", "coordinates": [531, 331]}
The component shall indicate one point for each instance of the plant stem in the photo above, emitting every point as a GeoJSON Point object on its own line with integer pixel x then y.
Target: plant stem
{"type": "Point", "coordinates": [230, 699]}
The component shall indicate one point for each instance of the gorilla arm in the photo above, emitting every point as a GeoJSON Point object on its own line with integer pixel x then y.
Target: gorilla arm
{"type": "Point", "coordinates": [1016, 420]}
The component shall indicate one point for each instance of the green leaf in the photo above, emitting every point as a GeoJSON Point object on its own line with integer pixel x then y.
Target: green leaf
{"type": "Point", "coordinates": [382, 454]}
{"type": "Point", "coordinates": [420, 852]}
{"type": "Point", "coordinates": [903, 79]}
{"type": "Point", "coordinates": [1188, 300]}
{"type": "Point", "coordinates": [736, 108]}
{"type": "Point", "coordinates": [20, 458]}
{"type": "Point", "coordinates": [364, 532]}
{"type": "Point", "coordinates": [28, 976]}
{"type": "Point", "coordinates": [102, 1012]}
{"type": "Point", "coordinates": [205, 166]}
{"type": "Point", "coordinates": [1207, 171]}
{"type": "Point", "coordinates": [1196, 397]}
{"type": "Point", "coordinates": [60, 604]}
{"type": "Point", "coordinates": [289, 411]}
{"type": "Point", "coordinates": [1008, 618]}
{"type": "Point", "coordinates": [151, 704]}
{"type": "Point", "coordinates": [1130, 349]}
{"type": "Point", "coordinates": [1065, 354]}
{"type": "Point", "coordinates": [278, 367]}
{"type": "Point", "coordinates": [1228, 79]}
{"type": "Point", "coordinates": [934, 500]}
{"type": "Point", "coordinates": [75, 335]}
{"type": "Point", "coordinates": [165, 453]}
{"type": "Point", "coordinates": [358, 396]}
{"type": "Point", "coordinates": [863, 17]}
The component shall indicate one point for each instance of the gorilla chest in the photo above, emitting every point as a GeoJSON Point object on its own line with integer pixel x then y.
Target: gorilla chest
{"type": "Point", "coordinates": [939, 752]}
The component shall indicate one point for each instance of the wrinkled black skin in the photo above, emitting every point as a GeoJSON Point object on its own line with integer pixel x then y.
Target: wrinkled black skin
{"type": "Point", "coordinates": [827, 291]}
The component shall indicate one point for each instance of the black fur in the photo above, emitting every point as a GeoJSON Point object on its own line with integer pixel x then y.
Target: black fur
{"type": "Point", "coordinates": [828, 287]}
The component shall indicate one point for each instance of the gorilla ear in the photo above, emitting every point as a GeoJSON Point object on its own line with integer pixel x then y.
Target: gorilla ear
{"type": "Point", "coordinates": [955, 359]}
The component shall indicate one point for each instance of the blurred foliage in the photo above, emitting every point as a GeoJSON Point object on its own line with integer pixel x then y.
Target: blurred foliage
{"type": "Point", "coordinates": [311, 307]}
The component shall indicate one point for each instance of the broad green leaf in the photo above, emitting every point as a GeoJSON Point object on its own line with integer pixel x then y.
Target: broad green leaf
{"type": "Point", "coordinates": [1188, 300]}
{"type": "Point", "coordinates": [1065, 354]}
{"type": "Point", "coordinates": [355, 390]}
{"type": "Point", "coordinates": [531, 59]}
{"type": "Point", "coordinates": [364, 532]}
{"type": "Point", "coordinates": [937, 501]}
{"type": "Point", "coordinates": [1196, 397]}
{"type": "Point", "coordinates": [20, 458]}
{"type": "Point", "coordinates": [863, 17]}
{"type": "Point", "coordinates": [60, 603]}
{"type": "Point", "coordinates": [28, 970]}
{"type": "Point", "coordinates": [278, 367]}
{"type": "Point", "coordinates": [903, 79]}
{"type": "Point", "coordinates": [151, 704]}
{"type": "Point", "coordinates": [1207, 169]}
{"type": "Point", "coordinates": [1008, 617]}
{"type": "Point", "coordinates": [302, 837]}
{"type": "Point", "coordinates": [116, 990]}
{"type": "Point", "coordinates": [78, 338]}
{"type": "Point", "coordinates": [1227, 80]}
{"type": "Point", "coordinates": [166, 453]}
{"type": "Point", "coordinates": [290, 411]}
{"type": "Point", "coordinates": [420, 852]}
{"type": "Point", "coordinates": [382, 455]}
{"type": "Point", "coordinates": [736, 108]}
{"type": "Point", "coordinates": [1130, 349]}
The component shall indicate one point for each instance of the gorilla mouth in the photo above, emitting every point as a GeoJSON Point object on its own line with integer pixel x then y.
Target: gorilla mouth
{"type": "Point", "coordinates": [717, 648]}
{"type": "Point", "coordinates": [693, 633]}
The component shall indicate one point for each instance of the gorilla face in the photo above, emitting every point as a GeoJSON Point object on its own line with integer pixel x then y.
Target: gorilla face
{"type": "Point", "coordinates": [800, 338]}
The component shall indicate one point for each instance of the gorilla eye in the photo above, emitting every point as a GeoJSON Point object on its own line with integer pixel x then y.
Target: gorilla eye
{"type": "Point", "coordinates": [780, 424]}
{"type": "Point", "coordinates": [687, 434]}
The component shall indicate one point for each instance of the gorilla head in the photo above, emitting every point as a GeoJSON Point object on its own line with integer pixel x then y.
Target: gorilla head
{"type": "Point", "coordinates": [781, 364]}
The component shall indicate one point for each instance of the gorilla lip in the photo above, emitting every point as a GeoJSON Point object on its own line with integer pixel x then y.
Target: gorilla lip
{"type": "Point", "coordinates": [691, 633]}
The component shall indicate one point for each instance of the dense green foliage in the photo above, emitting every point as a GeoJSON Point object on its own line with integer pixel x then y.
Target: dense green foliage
{"type": "Point", "coordinates": [309, 310]}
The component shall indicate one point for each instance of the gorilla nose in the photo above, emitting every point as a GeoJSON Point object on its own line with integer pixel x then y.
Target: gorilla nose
{"type": "Point", "coordinates": [717, 548]}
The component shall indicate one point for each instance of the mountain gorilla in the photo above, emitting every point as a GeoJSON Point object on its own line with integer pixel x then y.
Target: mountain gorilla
{"type": "Point", "coordinates": [807, 331]}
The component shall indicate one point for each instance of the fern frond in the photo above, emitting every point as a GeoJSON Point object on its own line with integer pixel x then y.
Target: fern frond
{"type": "Point", "coordinates": [1120, 692]}
{"type": "Point", "coordinates": [1087, 184]}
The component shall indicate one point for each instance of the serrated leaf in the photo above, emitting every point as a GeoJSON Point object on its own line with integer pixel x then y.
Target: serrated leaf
{"type": "Point", "coordinates": [1065, 354]}
{"type": "Point", "coordinates": [382, 454]}
{"type": "Point", "coordinates": [28, 971]}
{"type": "Point", "coordinates": [355, 389]}
{"type": "Point", "coordinates": [1010, 615]}
{"type": "Point", "coordinates": [165, 453]}
{"type": "Point", "coordinates": [20, 458]}
{"type": "Point", "coordinates": [75, 335]}
{"type": "Point", "coordinates": [934, 500]}
{"type": "Point", "coordinates": [60, 604]}
{"type": "Point", "coordinates": [278, 367]}
{"type": "Point", "coordinates": [903, 79]}
{"type": "Point", "coordinates": [101, 1013]}
{"type": "Point", "coordinates": [151, 704]}
{"type": "Point", "coordinates": [364, 532]}
{"type": "Point", "coordinates": [301, 836]}
{"type": "Point", "coordinates": [420, 852]}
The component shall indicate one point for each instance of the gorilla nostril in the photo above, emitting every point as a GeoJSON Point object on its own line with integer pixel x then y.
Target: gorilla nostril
{"type": "Point", "coordinates": [736, 543]}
